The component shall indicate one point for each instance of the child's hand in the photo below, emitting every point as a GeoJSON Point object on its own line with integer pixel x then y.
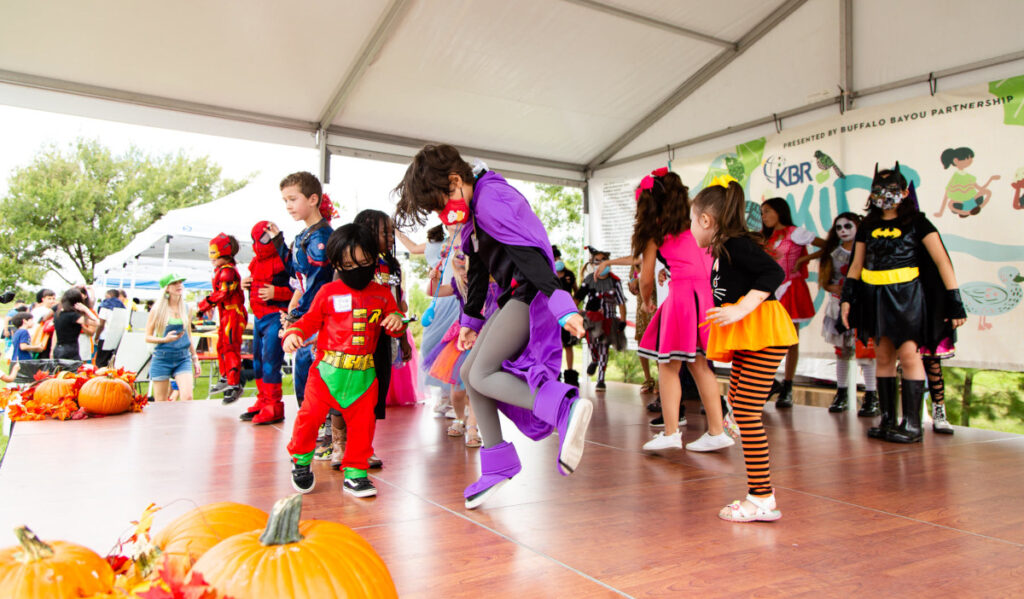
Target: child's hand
{"type": "Point", "coordinates": [435, 273]}
{"type": "Point", "coordinates": [80, 307]}
{"type": "Point", "coordinates": [247, 283]}
{"type": "Point", "coordinates": [392, 323]}
{"type": "Point", "coordinates": [467, 337]}
{"type": "Point", "coordinates": [265, 293]}
{"type": "Point", "coordinates": [844, 311]}
{"type": "Point", "coordinates": [292, 343]}
{"type": "Point", "coordinates": [575, 326]}
{"type": "Point", "coordinates": [662, 277]}
{"type": "Point", "coordinates": [726, 314]}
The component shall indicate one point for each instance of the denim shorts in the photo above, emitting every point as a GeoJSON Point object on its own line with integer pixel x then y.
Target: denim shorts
{"type": "Point", "coordinates": [169, 364]}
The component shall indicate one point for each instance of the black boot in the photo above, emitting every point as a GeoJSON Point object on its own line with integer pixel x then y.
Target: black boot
{"type": "Point", "coordinates": [887, 406]}
{"type": "Point", "coordinates": [912, 395]}
{"type": "Point", "coordinates": [839, 403]}
{"type": "Point", "coordinates": [785, 399]}
{"type": "Point", "coordinates": [870, 405]}
{"type": "Point", "coordinates": [571, 377]}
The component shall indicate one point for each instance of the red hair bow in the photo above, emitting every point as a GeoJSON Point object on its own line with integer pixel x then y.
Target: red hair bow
{"type": "Point", "coordinates": [648, 181]}
{"type": "Point", "coordinates": [327, 207]}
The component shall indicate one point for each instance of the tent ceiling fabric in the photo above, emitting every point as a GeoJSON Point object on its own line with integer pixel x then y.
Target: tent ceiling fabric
{"type": "Point", "coordinates": [543, 87]}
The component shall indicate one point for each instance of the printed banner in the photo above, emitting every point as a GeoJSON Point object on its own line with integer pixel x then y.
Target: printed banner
{"type": "Point", "coordinates": [964, 152]}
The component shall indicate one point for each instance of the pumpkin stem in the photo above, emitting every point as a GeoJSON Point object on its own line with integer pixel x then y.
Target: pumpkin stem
{"type": "Point", "coordinates": [34, 548]}
{"type": "Point", "coordinates": [283, 525]}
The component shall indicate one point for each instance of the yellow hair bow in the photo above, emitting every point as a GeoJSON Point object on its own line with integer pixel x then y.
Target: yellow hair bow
{"type": "Point", "coordinates": [723, 181]}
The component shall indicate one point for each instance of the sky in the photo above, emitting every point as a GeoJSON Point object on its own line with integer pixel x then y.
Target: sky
{"type": "Point", "coordinates": [356, 183]}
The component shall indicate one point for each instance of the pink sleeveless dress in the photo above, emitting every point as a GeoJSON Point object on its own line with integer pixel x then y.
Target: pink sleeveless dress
{"type": "Point", "coordinates": [793, 294]}
{"type": "Point", "coordinates": [675, 332]}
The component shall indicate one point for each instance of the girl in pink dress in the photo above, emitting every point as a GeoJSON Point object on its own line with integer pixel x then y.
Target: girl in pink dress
{"type": "Point", "coordinates": [787, 244]}
{"type": "Point", "coordinates": [675, 334]}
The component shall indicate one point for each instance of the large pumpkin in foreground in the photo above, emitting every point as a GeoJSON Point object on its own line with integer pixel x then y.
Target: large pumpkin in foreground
{"type": "Point", "coordinates": [192, 534]}
{"type": "Point", "coordinates": [52, 391]}
{"type": "Point", "coordinates": [56, 570]}
{"type": "Point", "coordinates": [103, 395]}
{"type": "Point", "coordinates": [311, 560]}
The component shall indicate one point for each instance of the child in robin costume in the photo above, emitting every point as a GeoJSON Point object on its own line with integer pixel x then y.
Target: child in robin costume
{"type": "Point", "coordinates": [348, 316]}
{"type": "Point", "coordinates": [229, 299]}
{"type": "Point", "coordinates": [269, 294]}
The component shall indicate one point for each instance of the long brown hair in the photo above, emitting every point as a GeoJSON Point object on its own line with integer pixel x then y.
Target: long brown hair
{"type": "Point", "coordinates": [424, 188]}
{"type": "Point", "coordinates": [662, 210]}
{"type": "Point", "coordinates": [727, 205]}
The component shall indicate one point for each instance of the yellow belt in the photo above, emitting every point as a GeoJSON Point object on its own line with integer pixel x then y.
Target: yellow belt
{"type": "Point", "coordinates": [889, 277]}
{"type": "Point", "coordinates": [347, 361]}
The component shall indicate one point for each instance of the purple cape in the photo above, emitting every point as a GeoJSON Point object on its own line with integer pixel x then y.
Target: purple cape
{"type": "Point", "coordinates": [503, 212]}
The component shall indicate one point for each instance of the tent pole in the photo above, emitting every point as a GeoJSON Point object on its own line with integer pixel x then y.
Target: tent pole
{"type": "Point", "coordinates": [846, 54]}
{"type": "Point", "coordinates": [324, 162]}
{"type": "Point", "coordinates": [135, 267]}
{"type": "Point", "coordinates": [167, 252]}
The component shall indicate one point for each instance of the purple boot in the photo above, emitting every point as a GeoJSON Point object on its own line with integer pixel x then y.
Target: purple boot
{"type": "Point", "coordinates": [498, 464]}
{"type": "Point", "coordinates": [561, 406]}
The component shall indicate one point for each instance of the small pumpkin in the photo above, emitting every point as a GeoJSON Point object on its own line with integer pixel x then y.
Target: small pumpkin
{"type": "Point", "coordinates": [103, 395]}
{"type": "Point", "coordinates": [186, 538]}
{"type": "Point", "coordinates": [308, 560]}
{"type": "Point", "coordinates": [56, 570]}
{"type": "Point", "coordinates": [54, 390]}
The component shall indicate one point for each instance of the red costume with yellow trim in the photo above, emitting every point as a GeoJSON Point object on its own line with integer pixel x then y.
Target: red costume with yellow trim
{"type": "Point", "coordinates": [348, 324]}
{"type": "Point", "coordinates": [229, 299]}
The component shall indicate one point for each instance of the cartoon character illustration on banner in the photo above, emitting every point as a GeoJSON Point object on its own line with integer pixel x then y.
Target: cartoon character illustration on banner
{"type": "Point", "coordinates": [988, 299]}
{"type": "Point", "coordinates": [963, 194]}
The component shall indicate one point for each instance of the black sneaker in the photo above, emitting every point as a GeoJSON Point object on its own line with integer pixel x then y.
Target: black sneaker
{"type": "Point", "coordinates": [231, 394]}
{"type": "Point", "coordinates": [655, 406]}
{"type": "Point", "coordinates": [219, 387]}
{"type": "Point", "coordinates": [247, 416]}
{"type": "Point", "coordinates": [302, 478]}
{"type": "Point", "coordinates": [360, 487]}
{"type": "Point", "coordinates": [600, 386]}
{"type": "Point", "coordinates": [591, 369]}
{"type": "Point", "coordinates": [375, 462]}
{"type": "Point", "coordinates": [659, 422]}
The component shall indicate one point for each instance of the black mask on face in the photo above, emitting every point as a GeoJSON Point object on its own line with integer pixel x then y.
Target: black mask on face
{"type": "Point", "coordinates": [358, 277]}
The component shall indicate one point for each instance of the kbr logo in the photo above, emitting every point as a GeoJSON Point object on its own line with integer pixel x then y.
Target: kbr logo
{"type": "Point", "coordinates": [780, 174]}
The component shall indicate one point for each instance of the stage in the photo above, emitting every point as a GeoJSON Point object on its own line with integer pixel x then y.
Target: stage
{"type": "Point", "coordinates": [859, 516]}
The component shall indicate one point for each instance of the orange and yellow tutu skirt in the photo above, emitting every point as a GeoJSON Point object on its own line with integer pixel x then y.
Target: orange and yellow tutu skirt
{"type": "Point", "coordinates": [769, 325]}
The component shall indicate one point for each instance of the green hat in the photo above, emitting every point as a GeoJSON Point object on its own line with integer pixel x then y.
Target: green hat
{"type": "Point", "coordinates": [170, 278]}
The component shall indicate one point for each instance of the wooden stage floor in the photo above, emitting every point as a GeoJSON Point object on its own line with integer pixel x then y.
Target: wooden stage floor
{"type": "Point", "coordinates": [859, 516]}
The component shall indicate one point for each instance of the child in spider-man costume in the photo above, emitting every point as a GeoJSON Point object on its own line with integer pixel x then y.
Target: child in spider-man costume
{"type": "Point", "coordinates": [269, 294]}
{"type": "Point", "coordinates": [348, 315]}
{"type": "Point", "coordinates": [229, 299]}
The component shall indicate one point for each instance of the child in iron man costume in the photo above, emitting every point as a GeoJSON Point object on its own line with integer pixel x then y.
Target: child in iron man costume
{"type": "Point", "coordinates": [229, 299]}
{"type": "Point", "coordinates": [348, 316]}
{"type": "Point", "coordinates": [269, 294]}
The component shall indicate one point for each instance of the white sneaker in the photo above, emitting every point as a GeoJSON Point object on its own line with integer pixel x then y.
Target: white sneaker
{"type": "Point", "coordinates": [708, 442]}
{"type": "Point", "coordinates": [441, 407]}
{"type": "Point", "coordinates": [450, 413]}
{"type": "Point", "coordinates": [663, 441]}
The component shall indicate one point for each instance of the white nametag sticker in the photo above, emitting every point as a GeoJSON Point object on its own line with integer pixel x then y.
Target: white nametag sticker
{"type": "Point", "coordinates": [342, 303]}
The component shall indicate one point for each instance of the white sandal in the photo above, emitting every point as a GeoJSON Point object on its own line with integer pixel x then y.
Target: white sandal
{"type": "Point", "coordinates": [457, 428]}
{"type": "Point", "coordinates": [765, 510]}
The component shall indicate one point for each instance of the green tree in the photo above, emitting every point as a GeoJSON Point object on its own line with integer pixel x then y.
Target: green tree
{"type": "Point", "coordinates": [561, 211]}
{"type": "Point", "coordinates": [81, 204]}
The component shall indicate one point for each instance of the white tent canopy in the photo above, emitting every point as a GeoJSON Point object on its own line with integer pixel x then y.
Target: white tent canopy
{"type": "Point", "coordinates": [550, 90]}
{"type": "Point", "coordinates": [178, 242]}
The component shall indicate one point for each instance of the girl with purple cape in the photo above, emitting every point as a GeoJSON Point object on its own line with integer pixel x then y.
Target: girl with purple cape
{"type": "Point", "coordinates": [516, 356]}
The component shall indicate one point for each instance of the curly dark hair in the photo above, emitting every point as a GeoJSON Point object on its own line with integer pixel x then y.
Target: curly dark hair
{"type": "Point", "coordinates": [425, 186]}
{"type": "Point", "coordinates": [728, 207]}
{"type": "Point", "coordinates": [662, 210]}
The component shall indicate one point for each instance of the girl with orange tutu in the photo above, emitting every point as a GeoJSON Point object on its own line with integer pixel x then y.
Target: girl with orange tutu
{"type": "Point", "coordinates": [787, 244]}
{"type": "Point", "coordinates": [748, 327]}
{"type": "Point", "coordinates": [444, 361]}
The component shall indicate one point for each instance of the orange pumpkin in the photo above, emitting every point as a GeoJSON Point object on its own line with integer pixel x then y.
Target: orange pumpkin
{"type": "Point", "coordinates": [52, 391]}
{"type": "Point", "coordinates": [57, 570]}
{"type": "Point", "coordinates": [192, 534]}
{"type": "Point", "coordinates": [105, 396]}
{"type": "Point", "coordinates": [308, 560]}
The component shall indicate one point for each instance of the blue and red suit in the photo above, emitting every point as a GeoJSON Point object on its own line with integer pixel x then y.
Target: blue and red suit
{"type": "Point", "coordinates": [307, 263]}
{"type": "Point", "coordinates": [347, 323]}
{"type": "Point", "coordinates": [269, 272]}
{"type": "Point", "coordinates": [229, 299]}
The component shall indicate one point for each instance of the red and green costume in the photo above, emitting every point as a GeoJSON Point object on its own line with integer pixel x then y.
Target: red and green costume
{"type": "Point", "coordinates": [347, 322]}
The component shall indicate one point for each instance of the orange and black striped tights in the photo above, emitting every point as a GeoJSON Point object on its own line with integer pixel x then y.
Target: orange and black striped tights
{"type": "Point", "coordinates": [749, 384]}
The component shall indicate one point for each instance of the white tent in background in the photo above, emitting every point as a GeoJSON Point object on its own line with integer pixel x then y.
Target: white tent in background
{"type": "Point", "coordinates": [178, 242]}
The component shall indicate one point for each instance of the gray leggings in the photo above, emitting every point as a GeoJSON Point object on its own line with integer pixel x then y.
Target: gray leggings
{"type": "Point", "coordinates": [503, 337]}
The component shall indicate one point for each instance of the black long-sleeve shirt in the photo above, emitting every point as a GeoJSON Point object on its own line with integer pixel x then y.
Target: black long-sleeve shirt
{"type": "Point", "coordinates": [528, 267]}
{"type": "Point", "coordinates": [742, 267]}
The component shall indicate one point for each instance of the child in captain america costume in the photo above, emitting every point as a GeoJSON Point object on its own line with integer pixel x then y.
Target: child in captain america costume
{"type": "Point", "coordinates": [269, 294]}
{"type": "Point", "coordinates": [229, 299]}
{"type": "Point", "coordinates": [349, 315]}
